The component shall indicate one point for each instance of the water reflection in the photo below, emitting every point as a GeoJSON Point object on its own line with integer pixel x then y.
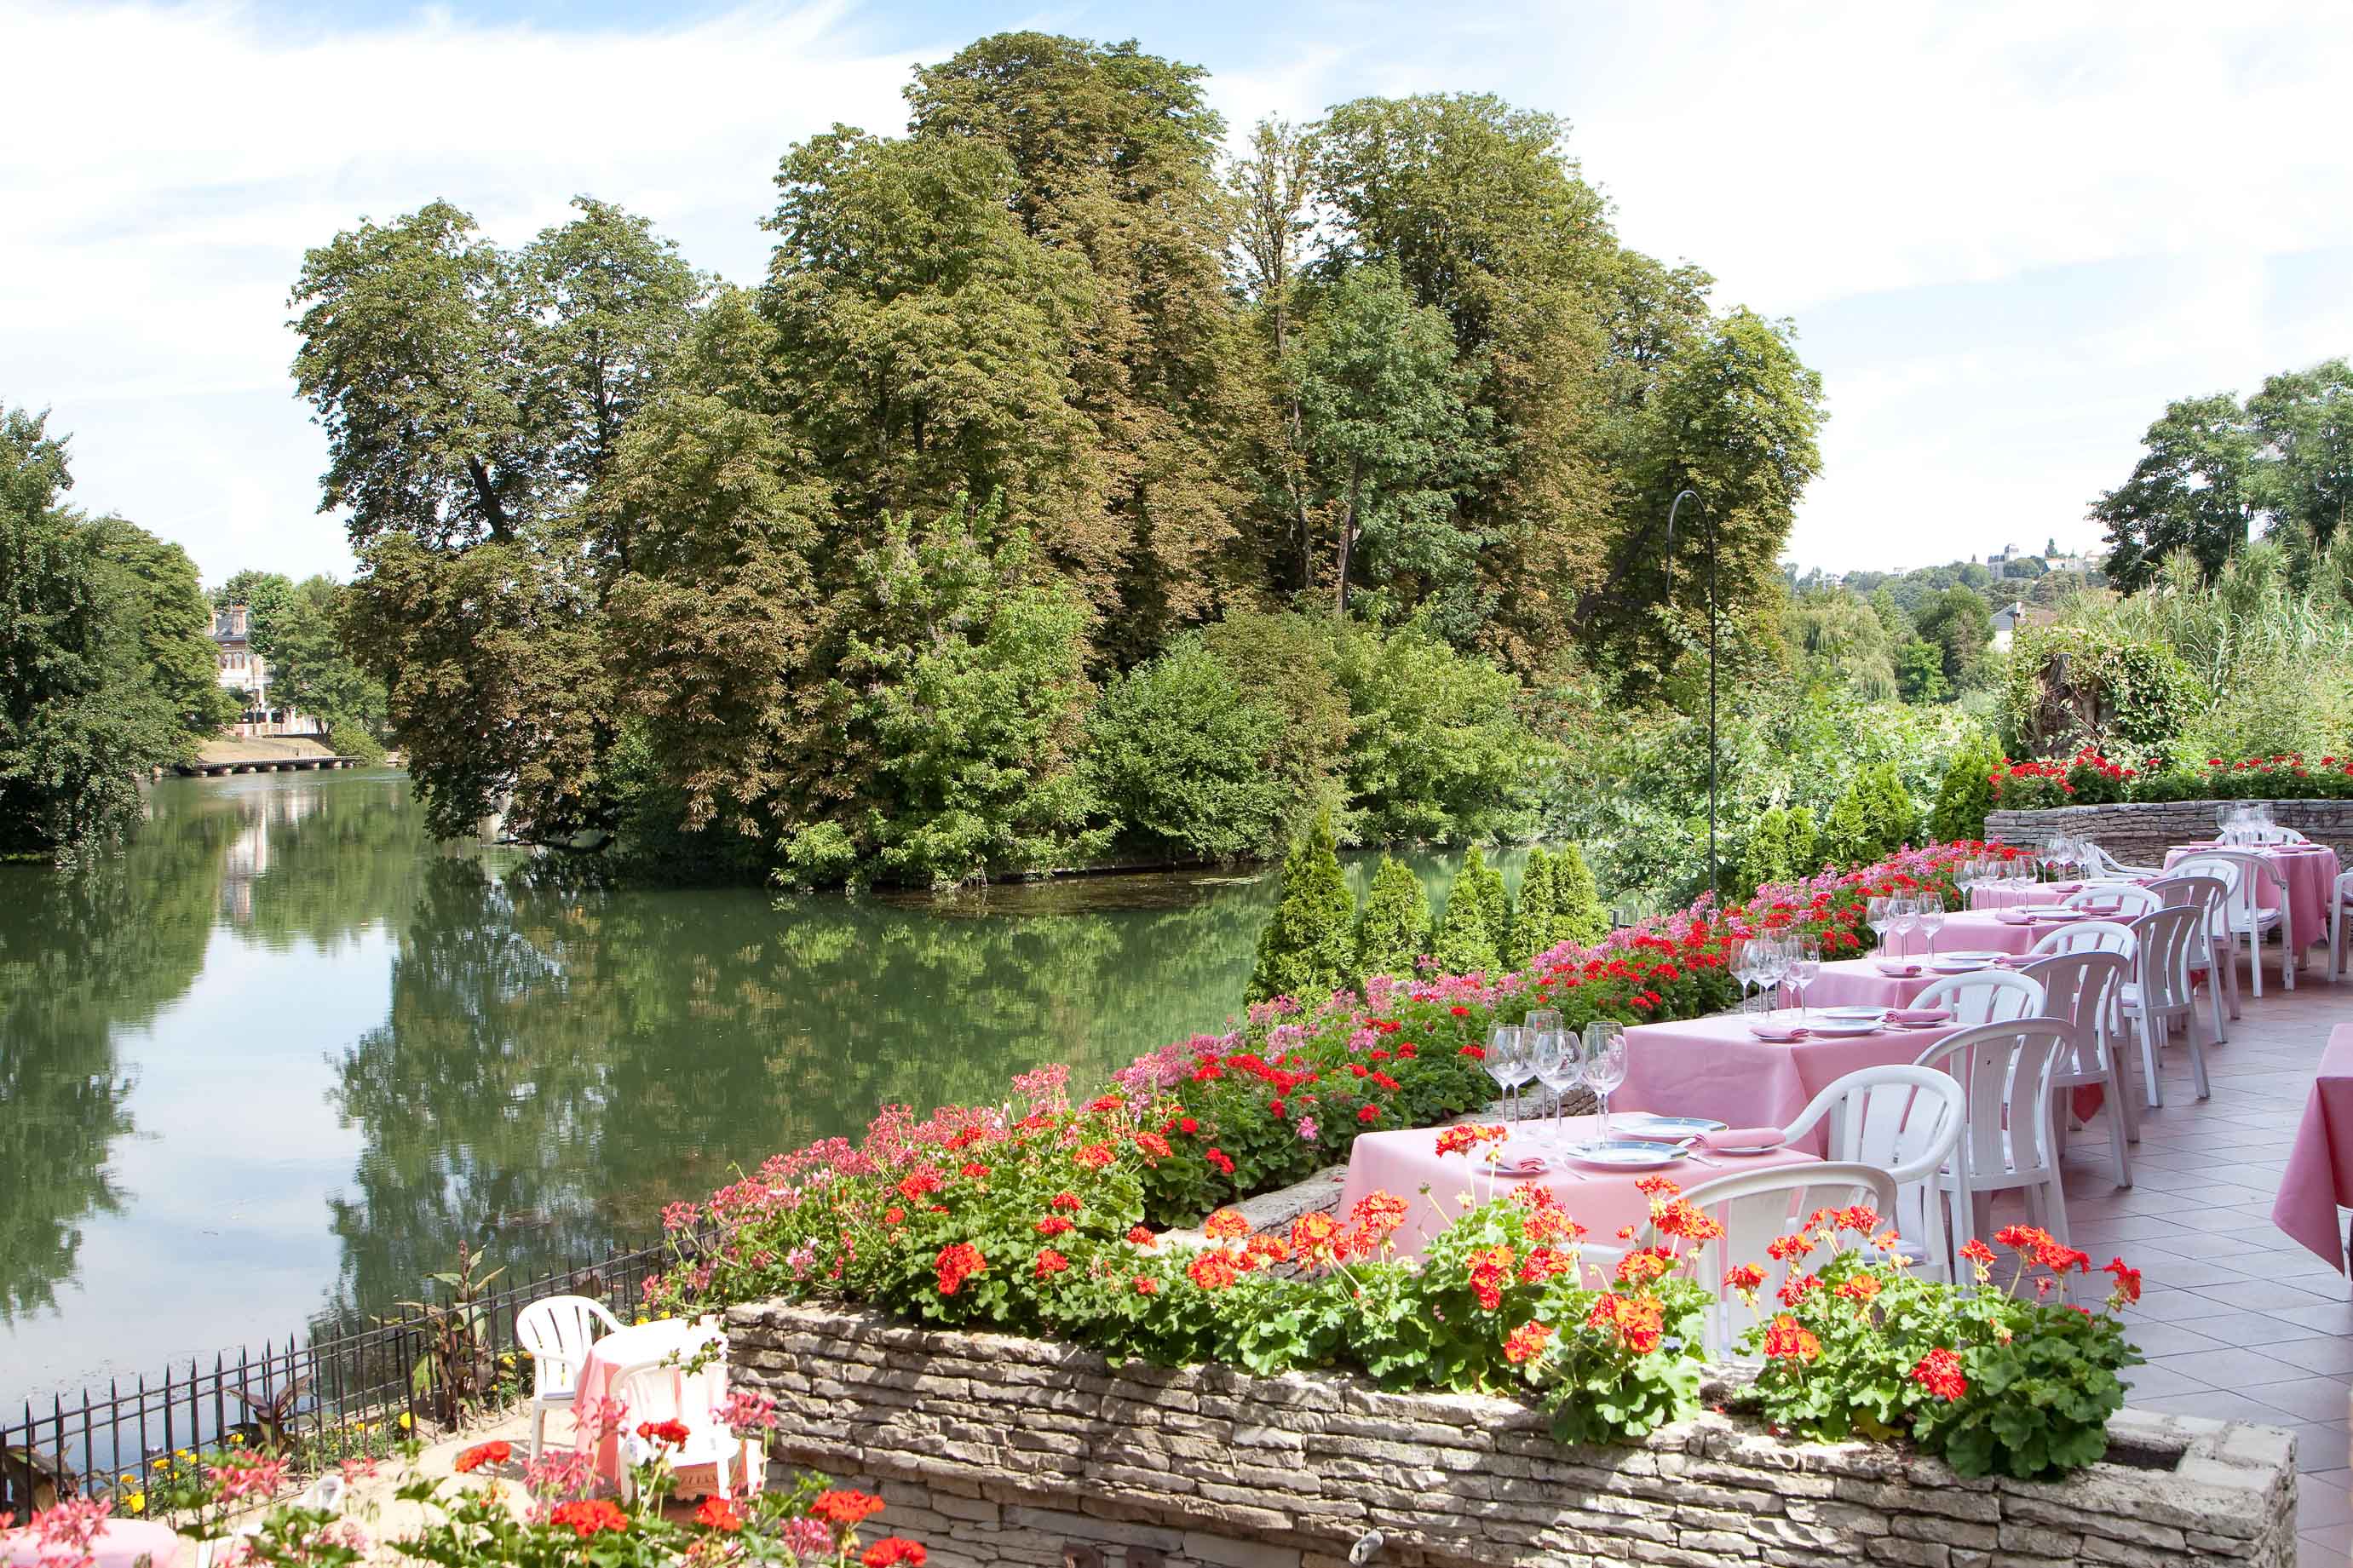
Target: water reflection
{"type": "Point", "coordinates": [280, 1057]}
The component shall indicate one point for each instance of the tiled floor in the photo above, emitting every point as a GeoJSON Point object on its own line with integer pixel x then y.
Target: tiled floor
{"type": "Point", "coordinates": [2236, 1320]}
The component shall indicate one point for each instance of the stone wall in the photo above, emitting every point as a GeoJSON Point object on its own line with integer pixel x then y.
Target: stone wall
{"type": "Point", "coordinates": [992, 1451]}
{"type": "Point", "coordinates": [2140, 832]}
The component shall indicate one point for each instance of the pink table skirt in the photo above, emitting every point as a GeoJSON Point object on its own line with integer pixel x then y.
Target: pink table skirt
{"type": "Point", "coordinates": [1857, 983]}
{"type": "Point", "coordinates": [2319, 1175]}
{"type": "Point", "coordinates": [121, 1543]}
{"type": "Point", "coordinates": [1979, 931]}
{"type": "Point", "coordinates": [674, 1393]}
{"type": "Point", "coordinates": [2310, 874]}
{"type": "Point", "coordinates": [1403, 1163]}
{"type": "Point", "coordinates": [1714, 1067]}
{"type": "Point", "coordinates": [2016, 895]}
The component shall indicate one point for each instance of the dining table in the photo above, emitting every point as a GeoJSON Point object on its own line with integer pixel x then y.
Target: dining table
{"type": "Point", "coordinates": [2017, 895]}
{"type": "Point", "coordinates": [674, 1392]}
{"type": "Point", "coordinates": [2304, 874]}
{"type": "Point", "coordinates": [1438, 1187]}
{"type": "Point", "coordinates": [2319, 1179]}
{"type": "Point", "coordinates": [1718, 1068]}
{"type": "Point", "coordinates": [118, 1543]}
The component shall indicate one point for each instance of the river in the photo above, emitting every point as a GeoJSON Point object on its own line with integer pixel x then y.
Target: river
{"type": "Point", "coordinates": [278, 1056]}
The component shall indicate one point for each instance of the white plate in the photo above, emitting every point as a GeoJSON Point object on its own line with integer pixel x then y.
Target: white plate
{"type": "Point", "coordinates": [1847, 1029]}
{"type": "Point", "coordinates": [1873, 1013]}
{"type": "Point", "coordinates": [1626, 1154]}
{"type": "Point", "coordinates": [2050, 912]}
{"type": "Point", "coordinates": [1752, 1150]}
{"type": "Point", "coordinates": [1642, 1124]}
{"type": "Point", "coordinates": [1960, 957]}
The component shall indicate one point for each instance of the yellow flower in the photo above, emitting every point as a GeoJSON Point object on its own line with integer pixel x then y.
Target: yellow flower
{"type": "Point", "coordinates": [406, 1421]}
{"type": "Point", "coordinates": [641, 1317]}
{"type": "Point", "coordinates": [236, 1438]}
{"type": "Point", "coordinates": [185, 1455]}
{"type": "Point", "coordinates": [127, 1478]}
{"type": "Point", "coordinates": [136, 1502]}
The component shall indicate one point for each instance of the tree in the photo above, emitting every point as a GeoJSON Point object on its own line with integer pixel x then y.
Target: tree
{"type": "Point", "coordinates": [165, 602]}
{"type": "Point", "coordinates": [1805, 846]}
{"type": "Point", "coordinates": [1895, 815]}
{"type": "Point", "coordinates": [1183, 758]}
{"type": "Point", "coordinates": [1851, 838]}
{"type": "Point", "coordinates": [86, 711]}
{"type": "Point", "coordinates": [1920, 671]}
{"type": "Point", "coordinates": [1579, 916]}
{"type": "Point", "coordinates": [1538, 912]}
{"type": "Point", "coordinates": [1966, 793]}
{"type": "Point", "coordinates": [1308, 949]}
{"type": "Point", "coordinates": [1479, 880]}
{"type": "Point", "coordinates": [1765, 857]}
{"type": "Point", "coordinates": [1394, 925]}
{"type": "Point", "coordinates": [1957, 625]}
{"type": "Point", "coordinates": [311, 671]}
{"type": "Point", "coordinates": [2303, 421]}
{"type": "Point", "coordinates": [1464, 942]}
{"type": "Point", "coordinates": [2194, 488]}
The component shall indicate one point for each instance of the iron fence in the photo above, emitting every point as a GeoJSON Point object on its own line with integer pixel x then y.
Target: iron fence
{"type": "Point", "coordinates": [332, 1394]}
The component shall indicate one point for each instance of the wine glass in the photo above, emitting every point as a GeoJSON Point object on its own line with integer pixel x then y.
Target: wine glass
{"type": "Point", "coordinates": [1805, 964]}
{"type": "Point", "coordinates": [1904, 915]}
{"type": "Point", "coordinates": [1605, 1064]}
{"type": "Point", "coordinates": [1542, 1057]}
{"type": "Point", "coordinates": [1740, 961]}
{"type": "Point", "coordinates": [1875, 916]}
{"type": "Point", "coordinates": [1772, 968]}
{"type": "Point", "coordinates": [1929, 915]}
{"type": "Point", "coordinates": [1541, 1018]}
{"type": "Point", "coordinates": [1563, 1070]}
{"type": "Point", "coordinates": [1502, 1049]}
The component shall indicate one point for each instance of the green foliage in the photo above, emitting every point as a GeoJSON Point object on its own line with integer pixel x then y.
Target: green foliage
{"type": "Point", "coordinates": [1805, 855]}
{"type": "Point", "coordinates": [2079, 684]}
{"type": "Point", "coordinates": [1394, 925]}
{"type": "Point", "coordinates": [1538, 913]}
{"type": "Point", "coordinates": [1578, 915]}
{"type": "Point", "coordinates": [1465, 942]}
{"type": "Point", "coordinates": [1186, 760]}
{"type": "Point", "coordinates": [96, 632]}
{"type": "Point", "coordinates": [1307, 950]}
{"type": "Point", "coordinates": [1892, 808]}
{"type": "Point", "coordinates": [1966, 793]}
{"type": "Point", "coordinates": [1439, 751]}
{"type": "Point", "coordinates": [166, 607]}
{"type": "Point", "coordinates": [1849, 836]}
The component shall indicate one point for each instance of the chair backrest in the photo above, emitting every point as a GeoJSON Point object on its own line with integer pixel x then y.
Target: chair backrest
{"type": "Point", "coordinates": [2244, 875]}
{"type": "Point", "coordinates": [2077, 989]}
{"type": "Point", "coordinates": [2085, 936]}
{"type": "Point", "coordinates": [2101, 862]}
{"type": "Point", "coordinates": [2004, 1070]}
{"type": "Point", "coordinates": [1983, 997]}
{"type": "Point", "coordinates": [1755, 1208]}
{"type": "Point", "coordinates": [661, 1390]}
{"type": "Point", "coordinates": [2126, 899]}
{"type": "Point", "coordinates": [2198, 892]}
{"type": "Point", "coordinates": [2161, 968]}
{"type": "Point", "coordinates": [1902, 1119]}
{"type": "Point", "coordinates": [2273, 835]}
{"type": "Point", "coordinates": [2345, 887]}
{"type": "Point", "coordinates": [556, 1331]}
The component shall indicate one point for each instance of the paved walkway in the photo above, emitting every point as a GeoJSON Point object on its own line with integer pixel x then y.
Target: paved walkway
{"type": "Point", "coordinates": [2237, 1321]}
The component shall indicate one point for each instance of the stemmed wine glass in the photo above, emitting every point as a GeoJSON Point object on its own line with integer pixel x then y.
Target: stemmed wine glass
{"type": "Point", "coordinates": [1904, 915]}
{"type": "Point", "coordinates": [1503, 1063]}
{"type": "Point", "coordinates": [1772, 968]}
{"type": "Point", "coordinates": [1543, 1055]}
{"type": "Point", "coordinates": [1878, 917]}
{"type": "Point", "coordinates": [1805, 964]}
{"type": "Point", "coordinates": [1740, 960]}
{"type": "Point", "coordinates": [1605, 1064]}
{"type": "Point", "coordinates": [1560, 1069]}
{"type": "Point", "coordinates": [1930, 917]}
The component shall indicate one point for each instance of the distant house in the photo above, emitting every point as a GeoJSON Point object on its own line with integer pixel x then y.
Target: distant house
{"type": "Point", "coordinates": [237, 667]}
{"type": "Point", "coordinates": [2014, 615]}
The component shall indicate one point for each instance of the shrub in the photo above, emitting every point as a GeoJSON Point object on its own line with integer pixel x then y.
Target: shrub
{"type": "Point", "coordinates": [1308, 949]}
{"type": "Point", "coordinates": [1187, 761]}
{"type": "Point", "coordinates": [1966, 793]}
{"type": "Point", "coordinates": [1850, 836]}
{"type": "Point", "coordinates": [1464, 943]}
{"type": "Point", "coordinates": [1395, 922]}
{"type": "Point", "coordinates": [1440, 751]}
{"type": "Point", "coordinates": [2031, 786]}
{"type": "Point", "coordinates": [1495, 899]}
{"type": "Point", "coordinates": [1895, 815]}
{"type": "Point", "coordinates": [1578, 913]}
{"type": "Point", "coordinates": [1765, 853]}
{"type": "Point", "coordinates": [1806, 843]}
{"type": "Point", "coordinates": [1538, 912]}
{"type": "Point", "coordinates": [2070, 686]}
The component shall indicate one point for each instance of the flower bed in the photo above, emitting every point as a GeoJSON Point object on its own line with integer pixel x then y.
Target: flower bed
{"type": "Point", "coordinates": [998, 1448]}
{"type": "Point", "coordinates": [2089, 778]}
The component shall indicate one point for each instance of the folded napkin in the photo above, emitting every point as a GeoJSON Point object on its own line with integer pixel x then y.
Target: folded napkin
{"type": "Point", "coordinates": [1778, 1033]}
{"type": "Point", "coordinates": [2014, 917]}
{"type": "Point", "coordinates": [1744, 1138]}
{"type": "Point", "coordinates": [1522, 1164]}
{"type": "Point", "coordinates": [1918, 1014]}
{"type": "Point", "coordinates": [1898, 968]}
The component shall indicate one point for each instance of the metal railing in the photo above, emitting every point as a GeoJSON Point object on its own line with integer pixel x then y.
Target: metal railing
{"type": "Point", "coordinates": [319, 1398]}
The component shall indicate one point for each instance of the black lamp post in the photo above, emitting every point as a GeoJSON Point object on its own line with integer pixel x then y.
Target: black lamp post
{"type": "Point", "coordinates": [1673, 509]}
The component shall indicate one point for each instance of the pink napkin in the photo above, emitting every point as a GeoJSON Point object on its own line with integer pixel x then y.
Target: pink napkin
{"type": "Point", "coordinates": [2014, 917]}
{"type": "Point", "coordinates": [1918, 1014]}
{"type": "Point", "coordinates": [1744, 1138]}
{"type": "Point", "coordinates": [1781, 1034]}
{"type": "Point", "coordinates": [1898, 968]}
{"type": "Point", "coordinates": [1522, 1164]}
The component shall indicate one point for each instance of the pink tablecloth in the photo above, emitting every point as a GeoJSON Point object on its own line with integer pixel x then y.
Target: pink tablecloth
{"type": "Point", "coordinates": [121, 1543]}
{"type": "Point", "coordinates": [2319, 1175]}
{"type": "Point", "coordinates": [2310, 873]}
{"type": "Point", "coordinates": [1857, 983]}
{"type": "Point", "coordinates": [1714, 1066]}
{"type": "Point", "coordinates": [1979, 931]}
{"type": "Point", "coordinates": [675, 1394]}
{"type": "Point", "coordinates": [1405, 1163]}
{"type": "Point", "coordinates": [2015, 895]}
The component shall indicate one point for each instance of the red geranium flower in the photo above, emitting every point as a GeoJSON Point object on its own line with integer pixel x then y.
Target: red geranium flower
{"type": "Point", "coordinates": [1939, 1372]}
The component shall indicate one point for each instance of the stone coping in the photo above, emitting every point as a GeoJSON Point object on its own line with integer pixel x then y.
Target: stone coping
{"type": "Point", "coordinates": [2143, 830]}
{"type": "Point", "coordinates": [1000, 1449]}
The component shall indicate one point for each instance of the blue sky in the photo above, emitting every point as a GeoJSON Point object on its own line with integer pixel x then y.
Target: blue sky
{"type": "Point", "coordinates": [2008, 232]}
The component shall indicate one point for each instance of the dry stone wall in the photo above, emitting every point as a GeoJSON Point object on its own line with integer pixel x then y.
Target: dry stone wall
{"type": "Point", "coordinates": [993, 1449]}
{"type": "Point", "coordinates": [2141, 831]}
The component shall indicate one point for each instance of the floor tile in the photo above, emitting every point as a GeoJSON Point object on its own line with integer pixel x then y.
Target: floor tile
{"type": "Point", "coordinates": [2305, 1398]}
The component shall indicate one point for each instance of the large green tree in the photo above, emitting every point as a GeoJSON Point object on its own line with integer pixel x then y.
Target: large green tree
{"type": "Point", "coordinates": [2193, 489]}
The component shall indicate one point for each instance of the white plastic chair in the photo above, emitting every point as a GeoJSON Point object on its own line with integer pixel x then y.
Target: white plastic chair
{"type": "Point", "coordinates": [2344, 896]}
{"type": "Point", "coordinates": [2243, 915]}
{"type": "Point", "coordinates": [2083, 936]}
{"type": "Point", "coordinates": [2158, 996]}
{"type": "Point", "coordinates": [2080, 989]}
{"type": "Point", "coordinates": [2104, 864]}
{"type": "Point", "coordinates": [1983, 997]}
{"type": "Point", "coordinates": [2211, 939]}
{"type": "Point", "coordinates": [707, 1442]}
{"type": "Point", "coordinates": [1756, 1206]}
{"type": "Point", "coordinates": [2116, 901]}
{"type": "Point", "coordinates": [1904, 1121]}
{"type": "Point", "coordinates": [2273, 834]}
{"type": "Point", "coordinates": [2004, 1070]}
{"type": "Point", "coordinates": [555, 1332]}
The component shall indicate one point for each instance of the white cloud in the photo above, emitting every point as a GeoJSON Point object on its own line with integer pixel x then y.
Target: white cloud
{"type": "Point", "coordinates": [2009, 231]}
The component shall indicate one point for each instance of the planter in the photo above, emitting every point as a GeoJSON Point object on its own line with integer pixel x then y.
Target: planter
{"type": "Point", "coordinates": [994, 1449]}
{"type": "Point", "coordinates": [2141, 831]}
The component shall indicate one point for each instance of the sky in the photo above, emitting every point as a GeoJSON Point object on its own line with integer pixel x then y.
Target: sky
{"type": "Point", "coordinates": [2008, 234]}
